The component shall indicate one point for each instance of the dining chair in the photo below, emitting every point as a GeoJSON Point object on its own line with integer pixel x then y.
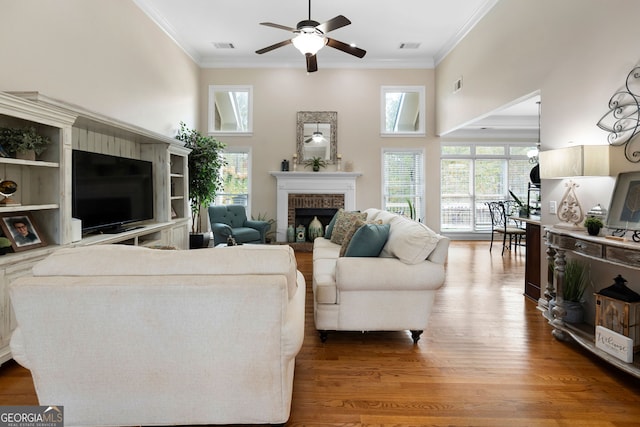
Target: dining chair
{"type": "Point", "coordinates": [501, 224]}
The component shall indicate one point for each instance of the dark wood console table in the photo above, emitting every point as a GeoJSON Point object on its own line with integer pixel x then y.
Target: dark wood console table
{"type": "Point", "coordinates": [622, 253]}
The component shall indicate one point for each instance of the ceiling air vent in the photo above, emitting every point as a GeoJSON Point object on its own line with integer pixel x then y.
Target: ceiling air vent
{"type": "Point", "coordinates": [224, 45]}
{"type": "Point", "coordinates": [409, 45]}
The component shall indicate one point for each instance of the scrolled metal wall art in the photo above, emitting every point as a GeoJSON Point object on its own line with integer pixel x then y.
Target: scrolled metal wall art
{"type": "Point", "coordinates": [622, 121]}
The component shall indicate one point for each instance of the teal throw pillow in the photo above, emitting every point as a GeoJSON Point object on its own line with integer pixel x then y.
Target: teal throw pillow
{"type": "Point", "coordinates": [329, 230]}
{"type": "Point", "coordinates": [368, 240]}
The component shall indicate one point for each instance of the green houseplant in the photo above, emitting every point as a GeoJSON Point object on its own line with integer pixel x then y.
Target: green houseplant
{"type": "Point", "coordinates": [575, 283]}
{"type": "Point", "coordinates": [316, 163]}
{"type": "Point", "coordinates": [205, 163]}
{"type": "Point", "coordinates": [593, 225]}
{"type": "Point", "coordinates": [523, 210]}
{"type": "Point", "coordinates": [19, 141]}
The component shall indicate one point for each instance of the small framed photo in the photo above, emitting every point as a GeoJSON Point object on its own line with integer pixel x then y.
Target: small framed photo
{"type": "Point", "coordinates": [624, 212]}
{"type": "Point", "coordinates": [21, 230]}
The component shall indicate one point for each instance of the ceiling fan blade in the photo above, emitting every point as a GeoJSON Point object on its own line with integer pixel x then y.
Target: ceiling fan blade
{"type": "Point", "coordinates": [333, 24]}
{"type": "Point", "coordinates": [355, 51]}
{"type": "Point", "coordinates": [281, 27]}
{"type": "Point", "coordinates": [312, 63]}
{"type": "Point", "coordinates": [306, 141]}
{"type": "Point", "coordinates": [273, 46]}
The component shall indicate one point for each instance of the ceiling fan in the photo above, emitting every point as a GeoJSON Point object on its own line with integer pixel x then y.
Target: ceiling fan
{"type": "Point", "coordinates": [310, 37]}
{"type": "Point", "coordinates": [316, 136]}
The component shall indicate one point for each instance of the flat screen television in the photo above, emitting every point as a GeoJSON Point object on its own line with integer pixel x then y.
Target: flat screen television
{"type": "Point", "coordinates": [110, 192]}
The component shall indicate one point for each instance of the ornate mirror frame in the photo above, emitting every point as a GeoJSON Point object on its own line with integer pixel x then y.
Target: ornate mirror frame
{"type": "Point", "coordinates": [316, 118]}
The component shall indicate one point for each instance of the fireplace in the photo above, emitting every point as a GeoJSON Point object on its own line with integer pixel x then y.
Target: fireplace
{"type": "Point", "coordinates": [312, 190]}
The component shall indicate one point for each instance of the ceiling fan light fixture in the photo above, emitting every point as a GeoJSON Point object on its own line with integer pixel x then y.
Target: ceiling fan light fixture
{"type": "Point", "coordinates": [308, 43]}
{"type": "Point", "coordinates": [317, 136]}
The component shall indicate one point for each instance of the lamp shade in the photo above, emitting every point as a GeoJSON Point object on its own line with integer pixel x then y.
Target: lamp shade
{"type": "Point", "coordinates": [308, 43]}
{"type": "Point", "coordinates": [579, 160]}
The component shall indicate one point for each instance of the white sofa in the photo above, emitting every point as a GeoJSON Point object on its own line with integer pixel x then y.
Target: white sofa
{"type": "Point", "coordinates": [389, 292]}
{"type": "Point", "coordinates": [123, 335]}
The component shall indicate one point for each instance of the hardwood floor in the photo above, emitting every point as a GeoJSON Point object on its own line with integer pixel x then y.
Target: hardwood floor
{"type": "Point", "coordinates": [487, 359]}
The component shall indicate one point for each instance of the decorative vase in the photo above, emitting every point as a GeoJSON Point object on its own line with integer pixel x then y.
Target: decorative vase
{"type": "Point", "coordinates": [291, 234]}
{"type": "Point", "coordinates": [316, 168]}
{"type": "Point", "coordinates": [301, 235]}
{"type": "Point", "coordinates": [315, 229]}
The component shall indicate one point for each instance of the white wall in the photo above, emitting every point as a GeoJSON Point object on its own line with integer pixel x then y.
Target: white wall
{"type": "Point", "coordinates": [355, 95]}
{"type": "Point", "coordinates": [104, 55]}
{"type": "Point", "coordinates": [576, 52]}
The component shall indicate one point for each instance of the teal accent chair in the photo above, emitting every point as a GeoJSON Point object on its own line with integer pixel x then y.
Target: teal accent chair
{"type": "Point", "coordinates": [231, 220]}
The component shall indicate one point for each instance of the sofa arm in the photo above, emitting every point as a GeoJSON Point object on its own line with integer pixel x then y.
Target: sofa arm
{"type": "Point", "coordinates": [293, 328]}
{"type": "Point", "coordinates": [17, 348]}
{"type": "Point", "coordinates": [439, 254]}
{"type": "Point", "coordinates": [261, 226]}
{"type": "Point", "coordinates": [221, 232]}
{"type": "Point", "coordinates": [357, 273]}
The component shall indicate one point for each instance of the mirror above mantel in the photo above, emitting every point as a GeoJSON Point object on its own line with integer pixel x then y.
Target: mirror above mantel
{"type": "Point", "coordinates": [316, 135]}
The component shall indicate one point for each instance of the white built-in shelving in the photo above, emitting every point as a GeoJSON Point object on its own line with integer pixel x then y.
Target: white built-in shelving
{"type": "Point", "coordinates": [45, 189]}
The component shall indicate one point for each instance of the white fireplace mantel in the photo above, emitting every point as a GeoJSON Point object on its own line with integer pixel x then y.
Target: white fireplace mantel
{"type": "Point", "coordinates": [311, 183]}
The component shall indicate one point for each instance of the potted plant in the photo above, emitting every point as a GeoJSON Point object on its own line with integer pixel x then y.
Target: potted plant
{"type": "Point", "coordinates": [271, 232]}
{"type": "Point", "coordinates": [5, 245]}
{"type": "Point", "coordinates": [23, 143]}
{"type": "Point", "coordinates": [316, 163]}
{"type": "Point", "coordinates": [593, 225]}
{"type": "Point", "coordinates": [575, 283]}
{"type": "Point", "coordinates": [205, 178]}
{"type": "Point", "coordinates": [523, 211]}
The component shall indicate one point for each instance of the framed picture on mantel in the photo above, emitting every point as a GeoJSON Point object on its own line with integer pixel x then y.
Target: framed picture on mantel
{"type": "Point", "coordinates": [21, 230]}
{"type": "Point", "coordinates": [624, 212]}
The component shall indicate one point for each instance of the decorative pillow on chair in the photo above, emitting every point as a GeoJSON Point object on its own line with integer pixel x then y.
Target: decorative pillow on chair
{"type": "Point", "coordinates": [344, 222]}
{"type": "Point", "coordinates": [367, 240]}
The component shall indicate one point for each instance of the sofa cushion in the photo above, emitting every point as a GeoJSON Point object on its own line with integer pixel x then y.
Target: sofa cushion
{"type": "Point", "coordinates": [409, 241]}
{"type": "Point", "coordinates": [367, 241]}
{"type": "Point", "coordinates": [344, 222]}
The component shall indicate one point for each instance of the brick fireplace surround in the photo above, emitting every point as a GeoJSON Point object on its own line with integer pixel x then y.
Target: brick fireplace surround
{"type": "Point", "coordinates": [311, 190]}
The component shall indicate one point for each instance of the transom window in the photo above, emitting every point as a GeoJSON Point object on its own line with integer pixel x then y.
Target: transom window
{"type": "Point", "coordinates": [230, 110]}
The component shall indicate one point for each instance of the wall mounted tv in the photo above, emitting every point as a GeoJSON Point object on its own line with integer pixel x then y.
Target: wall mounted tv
{"type": "Point", "coordinates": [110, 192]}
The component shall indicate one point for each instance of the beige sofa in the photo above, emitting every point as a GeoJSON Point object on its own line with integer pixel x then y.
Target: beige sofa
{"type": "Point", "coordinates": [124, 335]}
{"type": "Point", "coordinates": [392, 291]}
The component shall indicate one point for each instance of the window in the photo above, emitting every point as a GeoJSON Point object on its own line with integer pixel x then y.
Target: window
{"type": "Point", "coordinates": [236, 178]}
{"type": "Point", "coordinates": [402, 111]}
{"type": "Point", "coordinates": [230, 110]}
{"type": "Point", "coordinates": [403, 182]}
{"type": "Point", "coordinates": [473, 174]}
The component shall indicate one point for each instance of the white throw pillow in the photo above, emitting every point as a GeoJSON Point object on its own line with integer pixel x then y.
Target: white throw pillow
{"type": "Point", "coordinates": [409, 241]}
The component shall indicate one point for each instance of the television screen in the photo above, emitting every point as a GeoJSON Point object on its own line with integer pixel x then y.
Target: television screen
{"type": "Point", "coordinates": [110, 191]}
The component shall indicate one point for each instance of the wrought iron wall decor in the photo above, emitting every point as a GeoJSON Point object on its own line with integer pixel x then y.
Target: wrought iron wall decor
{"type": "Point", "coordinates": [622, 121]}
